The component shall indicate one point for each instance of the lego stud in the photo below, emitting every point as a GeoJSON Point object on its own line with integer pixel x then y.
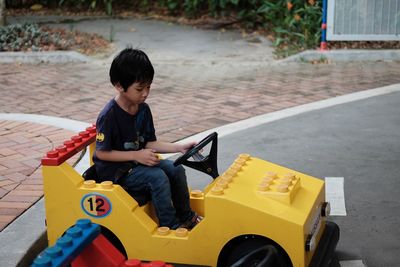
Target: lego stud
{"type": "Point", "coordinates": [163, 230]}
{"type": "Point", "coordinates": [240, 161]}
{"type": "Point", "coordinates": [64, 241]}
{"type": "Point", "coordinates": [227, 177]}
{"type": "Point", "coordinates": [273, 175]}
{"type": "Point", "coordinates": [282, 188]}
{"type": "Point", "coordinates": [196, 193]}
{"type": "Point", "coordinates": [74, 232]}
{"type": "Point", "coordinates": [157, 264]}
{"type": "Point", "coordinates": [132, 263]}
{"type": "Point", "coordinates": [284, 181]}
{"type": "Point", "coordinates": [236, 167]}
{"type": "Point", "coordinates": [69, 144]}
{"type": "Point", "coordinates": [106, 185]}
{"type": "Point", "coordinates": [84, 134]}
{"type": "Point", "coordinates": [244, 156]}
{"type": "Point", "coordinates": [264, 185]}
{"type": "Point", "coordinates": [43, 261]}
{"type": "Point", "coordinates": [84, 223]}
{"type": "Point", "coordinates": [231, 172]}
{"type": "Point", "coordinates": [89, 184]}
{"type": "Point", "coordinates": [181, 232]}
{"type": "Point", "coordinates": [267, 179]}
{"type": "Point", "coordinates": [216, 190]}
{"type": "Point", "coordinates": [61, 149]}
{"type": "Point", "coordinates": [222, 183]}
{"type": "Point", "coordinates": [288, 176]}
{"type": "Point", "coordinates": [91, 130]}
{"type": "Point", "coordinates": [76, 139]}
{"type": "Point", "coordinates": [54, 252]}
{"type": "Point", "coordinates": [52, 154]}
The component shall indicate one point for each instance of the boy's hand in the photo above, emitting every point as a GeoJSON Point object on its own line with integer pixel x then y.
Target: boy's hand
{"type": "Point", "coordinates": [147, 157]}
{"type": "Point", "coordinates": [185, 147]}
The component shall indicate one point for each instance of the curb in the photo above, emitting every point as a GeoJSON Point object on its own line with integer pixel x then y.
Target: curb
{"type": "Point", "coordinates": [345, 55]}
{"type": "Point", "coordinates": [21, 245]}
{"type": "Point", "coordinates": [35, 249]}
{"type": "Point", "coordinates": [353, 55]}
{"type": "Point", "coordinates": [45, 56]}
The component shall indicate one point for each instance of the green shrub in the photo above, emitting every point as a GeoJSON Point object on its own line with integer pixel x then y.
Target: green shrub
{"type": "Point", "coordinates": [27, 36]}
{"type": "Point", "coordinates": [91, 4]}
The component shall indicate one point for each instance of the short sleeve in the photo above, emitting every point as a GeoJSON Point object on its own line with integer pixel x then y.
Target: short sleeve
{"type": "Point", "coordinates": [104, 128]}
{"type": "Point", "coordinates": [150, 132]}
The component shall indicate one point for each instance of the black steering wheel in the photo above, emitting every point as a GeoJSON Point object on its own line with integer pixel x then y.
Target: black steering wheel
{"type": "Point", "coordinates": [207, 164]}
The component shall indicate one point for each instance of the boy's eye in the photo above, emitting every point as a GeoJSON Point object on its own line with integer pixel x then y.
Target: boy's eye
{"type": "Point", "coordinates": [143, 88]}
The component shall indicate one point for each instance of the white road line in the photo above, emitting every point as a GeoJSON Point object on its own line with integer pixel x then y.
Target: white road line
{"type": "Point", "coordinates": [334, 193]}
{"type": "Point", "coordinates": [356, 263]}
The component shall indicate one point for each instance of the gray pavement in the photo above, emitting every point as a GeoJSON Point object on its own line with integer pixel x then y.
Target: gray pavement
{"type": "Point", "coordinates": [194, 49]}
{"type": "Point", "coordinates": [358, 141]}
{"type": "Point", "coordinates": [179, 48]}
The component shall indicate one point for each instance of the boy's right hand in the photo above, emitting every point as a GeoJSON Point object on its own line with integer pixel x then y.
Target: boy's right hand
{"type": "Point", "coordinates": [147, 157]}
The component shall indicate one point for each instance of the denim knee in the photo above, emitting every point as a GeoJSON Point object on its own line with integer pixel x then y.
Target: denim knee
{"type": "Point", "coordinates": [175, 172]}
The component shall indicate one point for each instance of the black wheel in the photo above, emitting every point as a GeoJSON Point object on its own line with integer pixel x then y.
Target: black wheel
{"type": "Point", "coordinates": [334, 262]}
{"type": "Point", "coordinates": [256, 253]}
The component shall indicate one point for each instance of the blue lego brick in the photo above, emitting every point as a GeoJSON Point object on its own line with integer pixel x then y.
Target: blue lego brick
{"type": "Point", "coordinates": [68, 246]}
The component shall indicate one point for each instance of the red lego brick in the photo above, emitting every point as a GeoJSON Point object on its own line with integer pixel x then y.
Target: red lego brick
{"type": "Point", "coordinates": [156, 264]}
{"type": "Point", "coordinates": [99, 253]}
{"type": "Point", "coordinates": [70, 147]}
{"type": "Point", "coordinates": [138, 263]}
{"type": "Point", "coordinates": [132, 263]}
{"type": "Point", "coordinates": [102, 253]}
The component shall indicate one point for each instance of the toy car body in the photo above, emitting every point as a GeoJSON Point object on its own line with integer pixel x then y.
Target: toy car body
{"type": "Point", "coordinates": [254, 205]}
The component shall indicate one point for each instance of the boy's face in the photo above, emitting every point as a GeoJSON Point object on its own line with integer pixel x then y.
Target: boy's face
{"type": "Point", "coordinates": [136, 93]}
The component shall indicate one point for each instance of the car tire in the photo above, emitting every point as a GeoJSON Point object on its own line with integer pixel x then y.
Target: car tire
{"type": "Point", "coordinates": [334, 262]}
{"type": "Point", "coordinates": [256, 253]}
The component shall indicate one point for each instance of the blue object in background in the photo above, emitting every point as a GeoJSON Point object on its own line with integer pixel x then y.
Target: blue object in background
{"type": "Point", "coordinates": [68, 246]}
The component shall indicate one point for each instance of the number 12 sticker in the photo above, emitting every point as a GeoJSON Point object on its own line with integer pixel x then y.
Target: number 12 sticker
{"type": "Point", "coordinates": [96, 205]}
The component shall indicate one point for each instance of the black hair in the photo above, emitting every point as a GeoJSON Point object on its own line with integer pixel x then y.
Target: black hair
{"type": "Point", "coordinates": [131, 66]}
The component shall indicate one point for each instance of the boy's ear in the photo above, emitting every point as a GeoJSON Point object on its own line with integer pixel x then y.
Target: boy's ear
{"type": "Point", "coordinates": [119, 87]}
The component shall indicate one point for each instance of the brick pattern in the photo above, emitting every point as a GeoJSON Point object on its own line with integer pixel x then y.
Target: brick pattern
{"type": "Point", "coordinates": [186, 104]}
{"type": "Point", "coordinates": [182, 105]}
{"type": "Point", "coordinates": [22, 146]}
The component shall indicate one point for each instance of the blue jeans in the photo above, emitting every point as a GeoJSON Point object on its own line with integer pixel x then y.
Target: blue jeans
{"type": "Point", "coordinates": [168, 188]}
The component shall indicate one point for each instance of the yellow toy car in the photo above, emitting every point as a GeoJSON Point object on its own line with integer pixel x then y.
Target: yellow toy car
{"type": "Point", "coordinates": [255, 214]}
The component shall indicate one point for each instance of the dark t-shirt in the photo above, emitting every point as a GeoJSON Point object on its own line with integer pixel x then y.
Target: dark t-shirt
{"type": "Point", "coordinates": [119, 130]}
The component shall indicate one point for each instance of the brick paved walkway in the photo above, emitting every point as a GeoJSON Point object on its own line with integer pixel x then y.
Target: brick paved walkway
{"type": "Point", "coordinates": [182, 105]}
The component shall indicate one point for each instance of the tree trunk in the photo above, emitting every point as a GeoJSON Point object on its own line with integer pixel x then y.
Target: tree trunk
{"type": "Point", "coordinates": [2, 12]}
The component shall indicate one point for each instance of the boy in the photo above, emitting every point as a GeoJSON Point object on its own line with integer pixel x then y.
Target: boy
{"type": "Point", "coordinates": [126, 137]}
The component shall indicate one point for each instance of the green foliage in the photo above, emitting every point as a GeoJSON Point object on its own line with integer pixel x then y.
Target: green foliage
{"type": "Point", "coordinates": [91, 4]}
{"type": "Point", "coordinates": [27, 36]}
{"type": "Point", "coordinates": [295, 23]}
